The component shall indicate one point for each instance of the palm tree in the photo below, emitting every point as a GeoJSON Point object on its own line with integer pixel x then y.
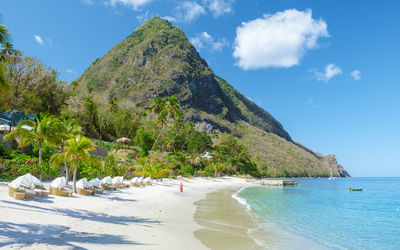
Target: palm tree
{"type": "Point", "coordinates": [218, 168]}
{"type": "Point", "coordinates": [69, 129]}
{"type": "Point", "coordinates": [41, 131]}
{"type": "Point", "coordinates": [4, 87]}
{"type": "Point", "coordinates": [77, 149]}
{"type": "Point", "coordinates": [154, 170]}
{"type": "Point", "coordinates": [3, 34]}
{"type": "Point", "coordinates": [6, 51]}
{"type": "Point", "coordinates": [165, 111]}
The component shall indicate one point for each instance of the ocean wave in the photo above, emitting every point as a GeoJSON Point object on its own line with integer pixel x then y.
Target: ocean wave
{"type": "Point", "coordinates": [240, 199]}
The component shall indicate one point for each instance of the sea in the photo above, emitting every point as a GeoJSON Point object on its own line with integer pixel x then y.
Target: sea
{"type": "Point", "coordinates": [325, 213]}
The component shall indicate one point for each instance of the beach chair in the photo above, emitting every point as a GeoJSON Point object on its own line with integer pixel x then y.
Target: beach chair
{"type": "Point", "coordinates": [126, 183]}
{"type": "Point", "coordinates": [57, 187]}
{"type": "Point", "coordinates": [140, 181]}
{"type": "Point", "coordinates": [19, 195]}
{"type": "Point", "coordinates": [82, 187]}
{"type": "Point", "coordinates": [148, 181]}
{"type": "Point", "coordinates": [134, 182]}
{"type": "Point", "coordinates": [118, 182]}
{"type": "Point", "coordinates": [106, 183]}
{"type": "Point", "coordinates": [60, 191]}
{"type": "Point", "coordinates": [84, 191]}
{"type": "Point", "coordinates": [30, 194]}
{"type": "Point", "coordinates": [95, 186]}
{"type": "Point", "coordinates": [12, 190]}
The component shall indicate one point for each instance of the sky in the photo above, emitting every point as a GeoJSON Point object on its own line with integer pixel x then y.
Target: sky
{"type": "Point", "coordinates": [327, 70]}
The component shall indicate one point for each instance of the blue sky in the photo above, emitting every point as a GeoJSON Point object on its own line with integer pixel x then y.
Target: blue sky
{"type": "Point", "coordinates": [327, 70]}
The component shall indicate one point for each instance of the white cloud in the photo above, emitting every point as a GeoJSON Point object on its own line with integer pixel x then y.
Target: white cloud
{"type": "Point", "coordinates": [220, 7]}
{"type": "Point", "coordinates": [143, 18]}
{"type": "Point", "coordinates": [330, 71]}
{"type": "Point", "coordinates": [169, 18]}
{"type": "Point", "coordinates": [189, 11]}
{"type": "Point", "coordinates": [278, 40]}
{"type": "Point", "coordinates": [38, 39]}
{"type": "Point", "coordinates": [205, 40]}
{"type": "Point", "coordinates": [70, 71]}
{"type": "Point", "coordinates": [134, 4]}
{"type": "Point", "coordinates": [356, 74]}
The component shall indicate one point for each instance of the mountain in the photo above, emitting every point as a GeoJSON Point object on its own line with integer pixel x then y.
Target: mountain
{"type": "Point", "coordinates": [159, 60]}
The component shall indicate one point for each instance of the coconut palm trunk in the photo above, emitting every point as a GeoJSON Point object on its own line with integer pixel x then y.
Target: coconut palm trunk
{"type": "Point", "coordinates": [65, 165]}
{"type": "Point", "coordinates": [40, 161]}
{"type": "Point", "coordinates": [66, 172]}
{"type": "Point", "coordinates": [155, 142]}
{"type": "Point", "coordinates": [75, 173]}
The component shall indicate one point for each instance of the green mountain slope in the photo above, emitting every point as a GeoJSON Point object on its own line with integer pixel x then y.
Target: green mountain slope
{"type": "Point", "coordinates": [159, 60]}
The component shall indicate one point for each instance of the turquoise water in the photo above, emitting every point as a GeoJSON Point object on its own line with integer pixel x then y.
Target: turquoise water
{"type": "Point", "coordinates": [325, 211]}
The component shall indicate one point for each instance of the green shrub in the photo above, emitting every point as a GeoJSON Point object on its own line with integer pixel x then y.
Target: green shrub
{"type": "Point", "coordinates": [209, 170]}
{"type": "Point", "coordinates": [187, 170]}
{"type": "Point", "coordinates": [19, 164]}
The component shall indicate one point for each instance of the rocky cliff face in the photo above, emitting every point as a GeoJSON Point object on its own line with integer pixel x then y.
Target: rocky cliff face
{"type": "Point", "coordinates": [159, 60]}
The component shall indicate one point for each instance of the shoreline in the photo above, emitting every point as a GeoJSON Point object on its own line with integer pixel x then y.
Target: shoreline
{"type": "Point", "coordinates": [150, 217]}
{"type": "Point", "coordinates": [225, 223]}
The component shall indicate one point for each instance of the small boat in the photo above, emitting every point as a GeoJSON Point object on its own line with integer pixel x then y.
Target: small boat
{"type": "Point", "coordinates": [355, 189]}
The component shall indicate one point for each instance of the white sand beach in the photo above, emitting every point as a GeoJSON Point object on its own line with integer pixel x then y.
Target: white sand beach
{"type": "Point", "coordinates": [150, 217]}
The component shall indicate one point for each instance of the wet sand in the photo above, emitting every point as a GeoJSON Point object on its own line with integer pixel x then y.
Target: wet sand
{"type": "Point", "coordinates": [225, 222]}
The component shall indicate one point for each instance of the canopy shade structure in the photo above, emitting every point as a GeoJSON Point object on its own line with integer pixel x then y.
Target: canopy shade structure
{"type": "Point", "coordinates": [124, 140]}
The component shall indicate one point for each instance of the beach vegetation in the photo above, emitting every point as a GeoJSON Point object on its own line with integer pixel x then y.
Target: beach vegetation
{"type": "Point", "coordinates": [76, 151]}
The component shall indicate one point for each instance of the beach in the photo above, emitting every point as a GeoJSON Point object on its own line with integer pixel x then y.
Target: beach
{"type": "Point", "coordinates": [149, 217]}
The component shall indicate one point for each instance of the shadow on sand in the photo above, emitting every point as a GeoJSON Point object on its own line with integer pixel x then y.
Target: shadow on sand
{"type": "Point", "coordinates": [80, 214]}
{"type": "Point", "coordinates": [24, 235]}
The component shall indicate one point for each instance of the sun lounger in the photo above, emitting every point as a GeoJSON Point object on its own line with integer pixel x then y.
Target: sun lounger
{"type": "Point", "coordinates": [107, 186]}
{"type": "Point", "coordinates": [134, 182]}
{"type": "Point", "coordinates": [60, 191]}
{"type": "Point", "coordinates": [12, 190]}
{"type": "Point", "coordinates": [45, 193]}
{"type": "Point", "coordinates": [95, 186]}
{"type": "Point", "coordinates": [118, 182]}
{"type": "Point", "coordinates": [26, 184]}
{"type": "Point", "coordinates": [83, 187]}
{"type": "Point", "coordinates": [84, 191]}
{"type": "Point", "coordinates": [106, 183]}
{"type": "Point", "coordinates": [148, 181]}
{"type": "Point", "coordinates": [96, 190]}
{"type": "Point", "coordinates": [140, 181]}
{"type": "Point", "coordinates": [18, 195]}
{"type": "Point", "coordinates": [30, 194]}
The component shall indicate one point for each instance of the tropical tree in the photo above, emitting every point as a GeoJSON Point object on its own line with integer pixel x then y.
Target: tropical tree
{"type": "Point", "coordinates": [154, 170]}
{"type": "Point", "coordinates": [41, 131]}
{"type": "Point", "coordinates": [6, 51]}
{"type": "Point", "coordinates": [3, 34]}
{"type": "Point", "coordinates": [68, 129]}
{"type": "Point", "coordinates": [4, 87]}
{"type": "Point", "coordinates": [218, 168]}
{"type": "Point", "coordinates": [165, 111]}
{"type": "Point", "coordinates": [76, 150]}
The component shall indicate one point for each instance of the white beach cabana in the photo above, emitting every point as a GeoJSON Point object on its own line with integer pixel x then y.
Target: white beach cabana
{"type": "Point", "coordinates": [95, 186]}
{"type": "Point", "coordinates": [118, 182]}
{"type": "Point", "coordinates": [134, 181]}
{"type": "Point", "coordinates": [83, 187]}
{"type": "Point", "coordinates": [148, 181]}
{"type": "Point", "coordinates": [58, 187]}
{"type": "Point", "coordinates": [140, 181]}
{"type": "Point", "coordinates": [30, 185]}
{"type": "Point", "coordinates": [106, 183]}
{"type": "Point", "coordinates": [123, 140]}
